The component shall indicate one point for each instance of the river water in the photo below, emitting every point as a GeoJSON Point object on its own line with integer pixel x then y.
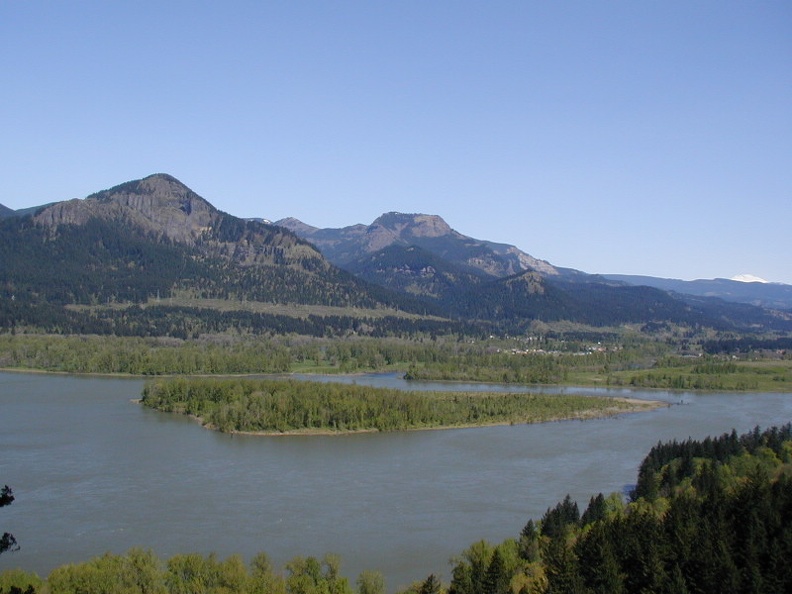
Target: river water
{"type": "Point", "coordinates": [94, 472]}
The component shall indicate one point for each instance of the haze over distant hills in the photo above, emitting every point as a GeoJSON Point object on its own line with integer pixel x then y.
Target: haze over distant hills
{"type": "Point", "coordinates": [6, 212]}
{"type": "Point", "coordinates": [764, 294]}
{"type": "Point", "coordinates": [145, 241]}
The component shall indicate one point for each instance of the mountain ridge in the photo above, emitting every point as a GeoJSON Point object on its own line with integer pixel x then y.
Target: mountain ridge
{"type": "Point", "coordinates": [151, 238]}
{"type": "Point", "coordinates": [345, 245]}
{"type": "Point", "coordinates": [116, 234]}
{"type": "Point", "coordinates": [769, 295]}
{"type": "Point", "coordinates": [353, 249]}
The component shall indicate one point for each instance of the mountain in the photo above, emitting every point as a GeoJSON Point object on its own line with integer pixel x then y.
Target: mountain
{"type": "Point", "coordinates": [421, 255]}
{"type": "Point", "coordinates": [151, 257]}
{"type": "Point", "coordinates": [762, 294]}
{"type": "Point", "coordinates": [6, 212]}
{"type": "Point", "coordinates": [475, 279]}
{"type": "Point", "coordinates": [151, 239]}
{"type": "Point", "coordinates": [416, 271]}
{"type": "Point", "coordinates": [748, 278]}
{"type": "Point", "coordinates": [350, 245]}
{"type": "Point", "coordinates": [513, 303]}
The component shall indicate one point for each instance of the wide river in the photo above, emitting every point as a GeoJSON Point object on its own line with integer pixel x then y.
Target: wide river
{"type": "Point", "coordinates": [94, 472]}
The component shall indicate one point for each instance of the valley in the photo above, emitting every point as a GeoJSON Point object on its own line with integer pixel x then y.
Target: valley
{"type": "Point", "coordinates": [148, 280]}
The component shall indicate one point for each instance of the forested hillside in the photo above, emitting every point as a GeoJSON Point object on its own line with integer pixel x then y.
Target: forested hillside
{"type": "Point", "coordinates": [468, 278]}
{"type": "Point", "coordinates": [416, 271]}
{"type": "Point", "coordinates": [151, 257]}
{"type": "Point", "coordinates": [711, 517]}
{"type": "Point", "coordinates": [144, 242]}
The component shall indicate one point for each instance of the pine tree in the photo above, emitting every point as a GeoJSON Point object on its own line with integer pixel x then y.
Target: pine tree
{"type": "Point", "coordinates": [431, 585]}
{"type": "Point", "coordinates": [528, 543]}
{"type": "Point", "coordinates": [496, 580]}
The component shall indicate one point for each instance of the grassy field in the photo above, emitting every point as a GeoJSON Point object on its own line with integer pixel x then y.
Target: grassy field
{"type": "Point", "coordinates": [758, 376]}
{"type": "Point", "coordinates": [185, 299]}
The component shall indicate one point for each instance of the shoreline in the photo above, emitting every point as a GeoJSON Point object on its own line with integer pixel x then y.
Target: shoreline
{"type": "Point", "coordinates": [292, 374]}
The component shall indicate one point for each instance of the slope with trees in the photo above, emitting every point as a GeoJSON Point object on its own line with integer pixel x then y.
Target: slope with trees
{"type": "Point", "coordinates": [706, 516]}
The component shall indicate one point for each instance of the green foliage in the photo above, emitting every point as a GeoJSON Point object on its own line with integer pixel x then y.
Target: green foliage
{"type": "Point", "coordinates": [557, 519]}
{"type": "Point", "coordinates": [431, 585]}
{"type": "Point", "coordinates": [310, 576]}
{"type": "Point", "coordinates": [7, 540]}
{"type": "Point", "coordinates": [470, 570]}
{"type": "Point", "coordinates": [193, 573]}
{"type": "Point", "coordinates": [724, 526]}
{"type": "Point", "coordinates": [137, 572]}
{"type": "Point", "coordinates": [710, 373]}
{"type": "Point", "coordinates": [281, 344]}
{"type": "Point", "coordinates": [280, 406]}
{"type": "Point", "coordinates": [16, 581]}
{"type": "Point", "coordinates": [142, 572]}
{"type": "Point", "coordinates": [528, 542]}
{"type": "Point", "coordinates": [484, 568]}
{"type": "Point", "coordinates": [371, 582]}
{"type": "Point", "coordinates": [718, 521]}
{"type": "Point", "coordinates": [74, 354]}
{"type": "Point", "coordinates": [674, 465]}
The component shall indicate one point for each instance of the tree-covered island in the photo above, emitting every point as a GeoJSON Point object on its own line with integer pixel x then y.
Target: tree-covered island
{"type": "Point", "coordinates": [271, 406]}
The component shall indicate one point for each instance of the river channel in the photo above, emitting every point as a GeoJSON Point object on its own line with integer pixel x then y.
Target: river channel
{"type": "Point", "coordinates": [94, 472]}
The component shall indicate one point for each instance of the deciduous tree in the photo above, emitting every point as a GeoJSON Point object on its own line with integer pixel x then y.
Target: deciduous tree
{"type": "Point", "coordinates": [7, 541]}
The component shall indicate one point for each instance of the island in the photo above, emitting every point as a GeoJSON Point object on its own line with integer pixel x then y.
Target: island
{"type": "Point", "coordinates": [288, 406]}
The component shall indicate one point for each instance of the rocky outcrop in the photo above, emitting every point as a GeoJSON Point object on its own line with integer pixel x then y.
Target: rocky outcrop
{"type": "Point", "coordinates": [158, 204]}
{"type": "Point", "coordinates": [161, 207]}
{"type": "Point", "coordinates": [430, 232]}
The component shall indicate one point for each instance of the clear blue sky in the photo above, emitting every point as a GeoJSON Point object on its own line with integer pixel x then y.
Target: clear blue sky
{"type": "Point", "coordinates": [615, 137]}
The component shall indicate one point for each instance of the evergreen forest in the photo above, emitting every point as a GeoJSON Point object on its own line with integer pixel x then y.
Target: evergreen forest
{"type": "Point", "coordinates": [288, 406]}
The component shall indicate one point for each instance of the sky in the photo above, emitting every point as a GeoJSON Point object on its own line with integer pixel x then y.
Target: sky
{"type": "Point", "coordinates": [650, 137]}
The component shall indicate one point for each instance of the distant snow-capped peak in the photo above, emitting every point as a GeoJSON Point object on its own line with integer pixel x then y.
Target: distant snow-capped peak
{"type": "Point", "coordinates": [748, 278]}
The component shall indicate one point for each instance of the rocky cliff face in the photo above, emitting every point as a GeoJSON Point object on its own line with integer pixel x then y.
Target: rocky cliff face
{"type": "Point", "coordinates": [164, 208]}
{"type": "Point", "coordinates": [159, 204]}
{"type": "Point", "coordinates": [412, 225]}
{"type": "Point", "coordinates": [429, 232]}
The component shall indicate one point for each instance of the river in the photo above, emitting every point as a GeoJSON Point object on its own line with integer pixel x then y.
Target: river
{"type": "Point", "coordinates": [94, 472]}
